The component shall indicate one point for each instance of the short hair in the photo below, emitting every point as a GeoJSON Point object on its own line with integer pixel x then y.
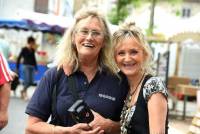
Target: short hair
{"type": "Point", "coordinates": [30, 39]}
{"type": "Point", "coordinates": [67, 53]}
{"type": "Point", "coordinates": [128, 29]}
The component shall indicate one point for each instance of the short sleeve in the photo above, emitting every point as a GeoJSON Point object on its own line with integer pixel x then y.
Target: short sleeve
{"type": "Point", "coordinates": [152, 86]}
{"type": "Point", "coordinates": [40, 103]}
{"type": "Point", "coordinates": [5, 72]}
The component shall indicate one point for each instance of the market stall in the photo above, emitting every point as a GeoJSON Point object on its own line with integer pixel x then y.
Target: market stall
{"type": "Point", "coordinates": [187, 40]}
{"type": "Point", "coordinates": [47, 35]}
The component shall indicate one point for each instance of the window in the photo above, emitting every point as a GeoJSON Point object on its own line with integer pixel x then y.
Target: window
{"type": "Point", "coordinates": [186, 12]}
{"type": "Point", "coordinates": [41, 6]}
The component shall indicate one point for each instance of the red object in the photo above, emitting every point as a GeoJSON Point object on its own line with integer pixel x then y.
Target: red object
{"type": "Point", "coordinates": [179, 96]}
{"type": "Point", "coordinates": [4, 71]}
{"type": "Point", "coordinates": [41, 53]}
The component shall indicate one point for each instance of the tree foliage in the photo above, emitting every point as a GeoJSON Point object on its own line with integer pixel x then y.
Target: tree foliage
{"type": "Point", "coordinates": [120, 11]}
{"type": "Point", "coordinates": [123, 8]}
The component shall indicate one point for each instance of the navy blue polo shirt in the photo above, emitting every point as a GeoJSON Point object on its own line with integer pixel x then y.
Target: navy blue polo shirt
{"type": "Point", "coordinates": [105, 94]}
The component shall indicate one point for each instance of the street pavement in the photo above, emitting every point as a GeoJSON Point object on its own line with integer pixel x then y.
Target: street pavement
{"type": "Point", "coordinates": [17, 116]}
{"type": "Point", "coordinates": [16, 111]}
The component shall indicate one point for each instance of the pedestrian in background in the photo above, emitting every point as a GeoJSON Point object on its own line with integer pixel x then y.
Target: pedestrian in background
{"type": "Point", "coordinates": [86, 47]}
{"type": "Point", "coordinates": [145, 109]}
{"type": "Point", "coordinates": [5, 79]}
{"type": "Point", "coordinates": [4, 46]}
{"type": "Point", "coordinates": [29, 65]}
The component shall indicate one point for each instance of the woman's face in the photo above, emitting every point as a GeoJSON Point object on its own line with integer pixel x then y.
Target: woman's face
{"type": "Point", "coordinates": [89, 38]}
{"type": "Point", "coordinates": [129, 56]}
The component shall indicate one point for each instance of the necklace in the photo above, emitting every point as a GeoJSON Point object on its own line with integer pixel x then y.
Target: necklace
{"type": "Point", "coordinates": [127, 113]}
{"type": "Point", "coordinates": [128, 103]}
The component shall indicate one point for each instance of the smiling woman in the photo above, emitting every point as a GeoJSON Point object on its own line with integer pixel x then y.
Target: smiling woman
{"type": "Point", "coordinates": [145, 108]}
{"type": "Point", "coordinates": [85, 49]}
{"type": "Point", "coordinates": [88, 46]}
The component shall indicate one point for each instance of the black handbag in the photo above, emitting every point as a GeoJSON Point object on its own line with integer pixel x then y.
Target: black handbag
{"type": "Point", "coordinates": [79, 111]}
{"type": "Point", "coordinates": [15, 83]}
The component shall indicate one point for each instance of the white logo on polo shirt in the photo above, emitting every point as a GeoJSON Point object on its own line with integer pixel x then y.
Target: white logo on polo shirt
{"type": "Point", "coordinates": [107, 97]}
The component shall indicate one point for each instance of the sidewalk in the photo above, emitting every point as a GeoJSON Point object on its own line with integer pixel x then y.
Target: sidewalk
{"type": "Point", "coordinates": [30, 91]}
{"type": "Point", "coordinates": [176, 124]}
{"type": "Point", "coordinates": [180, 126]}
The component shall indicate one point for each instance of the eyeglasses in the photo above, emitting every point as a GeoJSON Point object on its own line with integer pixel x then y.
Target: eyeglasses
{"type": "Point", "coordinates": [93, 33]}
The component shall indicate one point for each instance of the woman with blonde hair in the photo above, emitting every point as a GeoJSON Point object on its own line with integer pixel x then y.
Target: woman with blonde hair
{"type": "Point", "coordinates": [86, 47]}
{"type": "Point", "coordinates": [145, 108]}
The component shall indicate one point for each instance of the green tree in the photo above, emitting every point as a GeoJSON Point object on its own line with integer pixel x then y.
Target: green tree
{"type": "Point", "coordinates": [151, 22]}
{"type": "Point", "coordinates": [152, 12]}
{"type": "Point", "coordinates": [123, 8]}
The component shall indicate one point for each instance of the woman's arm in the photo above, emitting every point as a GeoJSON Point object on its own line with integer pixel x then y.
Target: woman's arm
{"type": "Point", "coordinates": [4, 101]}
{"type": "Point", "coordinates": [157, 108]}
{"type": "Point", "coordinates": [18, 60]}
{"type": "Point", "coordinates": [37, 126]}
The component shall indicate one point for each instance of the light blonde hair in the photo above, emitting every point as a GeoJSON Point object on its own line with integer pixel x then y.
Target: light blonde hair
{"type": "Point", "coordinates": [128, 29]}
{"type": "Point", "coordinates": [67, 53]}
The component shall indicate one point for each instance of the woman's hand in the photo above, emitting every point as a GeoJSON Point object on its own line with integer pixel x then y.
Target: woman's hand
{"type": "Point", "coordinates": [13, 74]}
{"type": "Point", "coordinates": [3, 119]}
{"type": "Point", "coordinates": [98, 121]}
{"type": "Point", "coordinates": [109, 126]}
{"type": "Point", "coordinates": [80, 128]}
{"type": "Point", "coordinates": [35, 124]}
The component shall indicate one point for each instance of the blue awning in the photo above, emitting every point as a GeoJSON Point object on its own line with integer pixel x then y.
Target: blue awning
{"type": "Point", "coordinates": [15, 24]}
{"type": "Point", "coordinates": [27, 24]}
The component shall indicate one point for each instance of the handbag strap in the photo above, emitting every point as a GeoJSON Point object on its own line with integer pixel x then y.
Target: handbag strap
{"type": "Point", "coordinates": [54, 116]}
{"type": "Point", "coordinates": [55, 119]}
{"type": "Point", "coordinates": [73, 88]}
{"type": "Point", "coordinates": [54, 92]}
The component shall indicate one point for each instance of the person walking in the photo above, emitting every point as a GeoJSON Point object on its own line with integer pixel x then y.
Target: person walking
{"type": "Point", "coordinates": [29, 65]}
{"type": "Point", "coordinates": [145, 110]}
{"type": "Point", "coordinates": [86, 47]}
{"type": "Point", "coordinates": [5, 79]}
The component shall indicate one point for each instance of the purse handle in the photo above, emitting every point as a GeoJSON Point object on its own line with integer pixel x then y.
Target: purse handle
{"type": "Point", "coordinates": [55, 119]}
{"type": "Point", "coordinates": [72, 87]}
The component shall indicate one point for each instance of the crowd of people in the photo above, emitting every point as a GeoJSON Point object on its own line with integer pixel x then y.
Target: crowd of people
{"type": "Point", "coordinates": [112, 74]}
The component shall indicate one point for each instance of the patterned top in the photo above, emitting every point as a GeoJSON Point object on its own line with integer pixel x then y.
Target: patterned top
{"type": "Point", "coordinates": [152, 86]}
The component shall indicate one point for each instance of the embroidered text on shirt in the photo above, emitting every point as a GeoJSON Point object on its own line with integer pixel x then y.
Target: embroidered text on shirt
{"type": "Point", "coordinates": [107, 97]}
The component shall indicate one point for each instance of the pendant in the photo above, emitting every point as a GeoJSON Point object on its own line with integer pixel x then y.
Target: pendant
{"type": "Point", "coordinates": [129, 98]}
{"type": "Point", "coordinates": [129, 101]}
